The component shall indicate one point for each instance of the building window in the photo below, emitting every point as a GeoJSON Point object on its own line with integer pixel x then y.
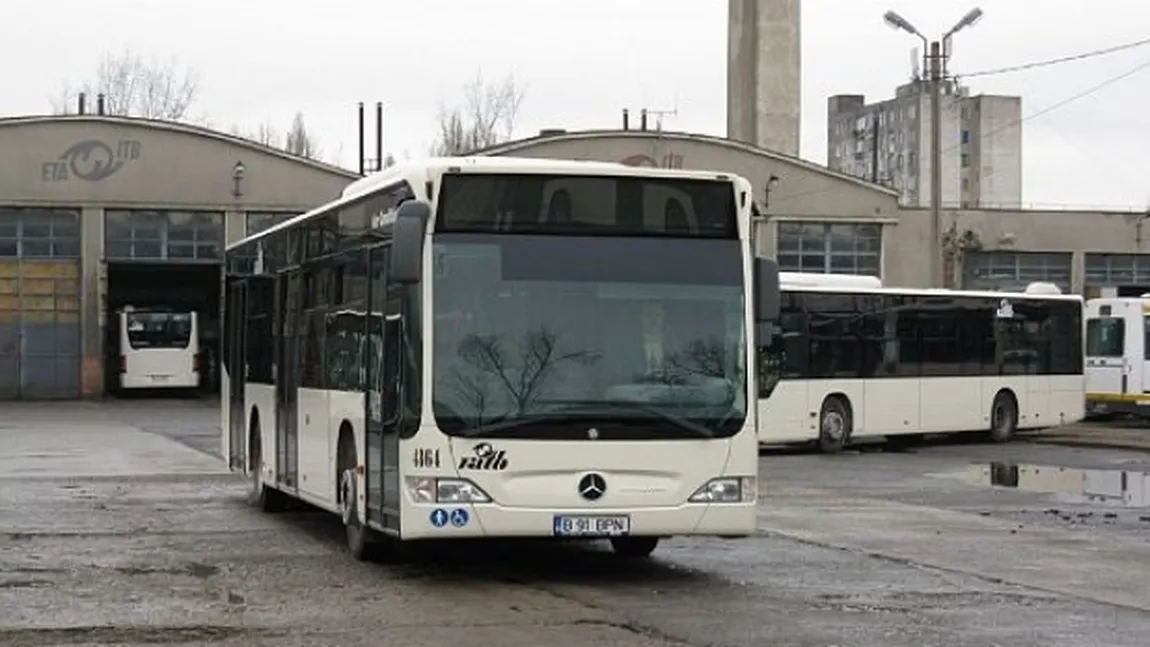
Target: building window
{"type": "Point", "coordinates": [1114, 270]}
{"type": "Point", "coordinates": [258, 221]}
{"type": "Point", "coordinates": [163, 235]}
{"type": "Point", "coordinates": [39, 233]}
{"type": "Point", "coordinates": [965, 160]}
{"type": "Point", "coordinates": [966, 136]}
{"type": "Point", "coordinates": [1013, 271]}
{"type": "Point", "coordinates": [816, 247]}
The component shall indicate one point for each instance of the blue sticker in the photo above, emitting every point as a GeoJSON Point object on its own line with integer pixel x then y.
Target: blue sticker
{"type": "Point", "coordinates": [459, 517]}
{"type": "Point", "coordinates": [439, 517]}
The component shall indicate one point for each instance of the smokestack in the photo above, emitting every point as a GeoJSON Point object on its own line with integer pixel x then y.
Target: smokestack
{"type": "Point", "coordinates": [81, 108]}
{"type": "Point", "coordinates": [360, 138]}
{"type": "Point", "coordinates": [379, 135]}
{"type": "Point", "coordinates": [643, 119]}
{"type": "Point", "coordinates": [100, 103]}
{"type": "Point", "coordinates": [626, 119]}
{"type": "Point", "coordinates": [764, 85]}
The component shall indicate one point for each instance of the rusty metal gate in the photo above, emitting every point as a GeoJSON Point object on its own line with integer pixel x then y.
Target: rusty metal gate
{"type": "Point", "coordinates": [39, 305]}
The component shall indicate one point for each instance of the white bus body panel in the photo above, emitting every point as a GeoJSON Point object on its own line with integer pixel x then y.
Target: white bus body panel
{"type": "Point", "coordinates": [541, 482]}
{"type": "Point", "coordinates": [890, 407]}
{"type": "Point", "coordinates": [1119, 384]}
{"type": "Point", "coordinates": [160, 368]}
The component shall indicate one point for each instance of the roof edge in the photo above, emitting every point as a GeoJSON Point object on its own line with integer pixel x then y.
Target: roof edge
{"type": "Point", "coordinates": [182, 128]}
{"type": "Point", "coordinates": [578, 135]}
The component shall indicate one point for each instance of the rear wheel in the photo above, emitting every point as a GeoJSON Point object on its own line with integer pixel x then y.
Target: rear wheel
{"type": "Point", "coordinates": [267, 499]}
{"type": "Point", "coordinates": [634, 547]}
{"type": "Point", "coordinates": [1003, 417]}
{"type": "Point", "coordinates": [834, 425]}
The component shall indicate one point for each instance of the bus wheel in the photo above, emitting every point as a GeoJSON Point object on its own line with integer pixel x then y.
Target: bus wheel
{"type": "Point", "coordinates": [267, 499]}
{"type": "Point", "coordinates": [634, 547]}
{"type": "Point", "coordinates": [359, 541]}
{"type": "Point", "coordinates": [1003, 417]}
{"type": "Point", "coordinates": [834, 425]}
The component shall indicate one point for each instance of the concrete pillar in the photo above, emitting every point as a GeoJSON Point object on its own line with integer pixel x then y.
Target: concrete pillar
{"type": "Point", "coordinates": [764, 64]}
{"type": "Point", "coordinates": [92, 318]}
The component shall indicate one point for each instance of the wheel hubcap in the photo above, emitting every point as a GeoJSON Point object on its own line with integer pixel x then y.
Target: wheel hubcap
{"type": "Point", "coordinates": [346, 487]}
{"type": "Point", "coordinates": [833, 425]}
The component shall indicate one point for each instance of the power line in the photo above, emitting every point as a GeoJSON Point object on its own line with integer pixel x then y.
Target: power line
{"type": "Point", "coordinates": [1056, 61]}
{"type": "Point", "coordinates": [831, 184]}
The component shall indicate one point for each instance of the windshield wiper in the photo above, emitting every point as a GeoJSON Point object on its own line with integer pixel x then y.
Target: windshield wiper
{"type": "Point", "coordinates": [521, 421]}
{"type": "Point", "coordinates": [597, 406]}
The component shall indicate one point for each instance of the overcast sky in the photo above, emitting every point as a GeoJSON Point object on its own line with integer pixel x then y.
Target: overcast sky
{"type": "Point", "coordinates": [582, 61]}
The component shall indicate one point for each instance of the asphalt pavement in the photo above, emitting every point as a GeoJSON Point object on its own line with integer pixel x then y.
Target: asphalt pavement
{"type": "Point", "coordinates": [120, 526]}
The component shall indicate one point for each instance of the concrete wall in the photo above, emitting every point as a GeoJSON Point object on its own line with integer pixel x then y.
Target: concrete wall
{"type": "Point", "coordinates": [1079, 232]}
{"type": "Point", "coordinates": [764, 65]}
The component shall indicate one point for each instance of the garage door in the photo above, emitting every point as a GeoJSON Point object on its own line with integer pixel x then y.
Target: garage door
{"type": "Point", "coordinates": [39, 304]}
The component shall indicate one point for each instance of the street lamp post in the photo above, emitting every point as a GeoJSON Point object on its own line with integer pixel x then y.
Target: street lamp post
{"type": "Point", "coordinates": [936, 53]}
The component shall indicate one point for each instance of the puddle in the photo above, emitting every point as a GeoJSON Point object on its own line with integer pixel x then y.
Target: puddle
{"type": "Point", "coordinates": [1130, 488]}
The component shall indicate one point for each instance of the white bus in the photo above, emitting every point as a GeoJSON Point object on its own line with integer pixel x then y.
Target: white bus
{"type": "Point", "coordinates": [860, 360]}
{"type": "Point", "coordinates": [1117, 357]}
{"type": "Point", "coordinates": [159, 349]}
{"type": "Point", "coordinates": [554, 348]}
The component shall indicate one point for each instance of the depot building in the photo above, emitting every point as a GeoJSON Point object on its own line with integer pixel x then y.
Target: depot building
{"type": "Point", "coordinates": [819, 220]}
{"type": "Point", "coordinates": [98, 213]}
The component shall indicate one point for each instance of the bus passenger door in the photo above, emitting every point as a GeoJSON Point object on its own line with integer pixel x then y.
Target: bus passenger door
{"type": "Point", "coordinates": [235, 317]}
{"type": "Point", "coordinates": [382, 438]}
{"type": "Point", "coordinates": [287, 380]}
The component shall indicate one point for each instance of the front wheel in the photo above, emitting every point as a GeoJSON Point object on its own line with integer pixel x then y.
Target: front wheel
{"type": "Point", "coordinates": [634, 547]}
{"type": "Point", "coordinates": [1003, 418]}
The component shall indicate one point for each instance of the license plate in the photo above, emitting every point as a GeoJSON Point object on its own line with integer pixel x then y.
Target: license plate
{"type": "Point", "coordinates": [591, 525]}
{"type": "Point", "coordinates": [160, 378]}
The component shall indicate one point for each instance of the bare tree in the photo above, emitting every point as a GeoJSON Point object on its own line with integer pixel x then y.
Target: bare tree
{"type": "Point", "coordinates": [299, 140]}
{"type": "Point", "coordinates": [538, 357]}
{"type": "Point", "coordinates": [136, 87]}
{"type": "Point", "coordinates": [486, 117]}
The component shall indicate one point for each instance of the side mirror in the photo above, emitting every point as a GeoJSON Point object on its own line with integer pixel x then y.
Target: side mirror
{"type": "Point", "coordinates": [407, 241]}
{"type": "Point", "coordinates": [768, 297]}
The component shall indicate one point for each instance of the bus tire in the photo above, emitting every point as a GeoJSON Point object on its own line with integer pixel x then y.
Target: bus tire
{"type": "Point", "coordinates": [260, 494]}
{"type": "Point", "coordinates": [634, 547]}
{"type": "Point", "coordinates": [834, 425]}
{"type": "Point", "coordinates": [1003, 417]}
{"type": "Point", "coordinates": [364, 544]}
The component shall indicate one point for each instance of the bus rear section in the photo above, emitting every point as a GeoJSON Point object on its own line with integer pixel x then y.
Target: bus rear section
{"type": "Point", "coordinates": [158, 350]}
{"type": "Point", "coordinates": [1116, 357]}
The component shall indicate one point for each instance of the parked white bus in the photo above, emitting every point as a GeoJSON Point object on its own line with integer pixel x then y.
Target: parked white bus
{"type": "Point", "coordinates": [159, 349]}
{"type": "Point", "coordinates": [860, 360]}
{"type": "Point", "coordinates": [496, 347]}
{"type": "Point", "coordinates": [1117, 357]}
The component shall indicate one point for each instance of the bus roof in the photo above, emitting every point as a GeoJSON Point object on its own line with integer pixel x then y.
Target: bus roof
{"type": "Point", "coordinates": [419, 171]}
{"type": "Point", "coordinates": [857, 284]}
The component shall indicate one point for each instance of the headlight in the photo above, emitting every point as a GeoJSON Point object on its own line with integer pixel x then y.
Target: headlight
{"type": "Point", "coordinates": [432, 490]}
{"type": "Point", "coordinates": [729, 489]}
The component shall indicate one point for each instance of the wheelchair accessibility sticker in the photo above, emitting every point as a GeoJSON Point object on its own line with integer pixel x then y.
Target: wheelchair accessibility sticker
{"type": "Point", "coordinates": [457, 517]}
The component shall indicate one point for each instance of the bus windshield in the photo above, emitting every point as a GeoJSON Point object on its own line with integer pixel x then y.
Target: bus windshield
{"type": "Point", "coordinates": [571, 337]}
{"type": "Point", "coordinates": [159, 329]}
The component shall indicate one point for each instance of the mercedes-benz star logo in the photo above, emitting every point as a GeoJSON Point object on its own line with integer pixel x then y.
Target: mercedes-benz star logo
{"type": "Point", "coordinates": [592, 486]}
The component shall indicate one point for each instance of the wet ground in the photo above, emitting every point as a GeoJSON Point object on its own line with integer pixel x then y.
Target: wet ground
{"type": "Point", "coordinates": [114, 530]}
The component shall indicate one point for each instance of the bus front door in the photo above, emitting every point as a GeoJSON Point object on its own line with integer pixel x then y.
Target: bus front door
{"type": "Point", "coordinates": [235, 337]}
{"type": "Point", "coordinates": [287, 379]}
{"type": "Point", "coordinates": [382, 440]}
